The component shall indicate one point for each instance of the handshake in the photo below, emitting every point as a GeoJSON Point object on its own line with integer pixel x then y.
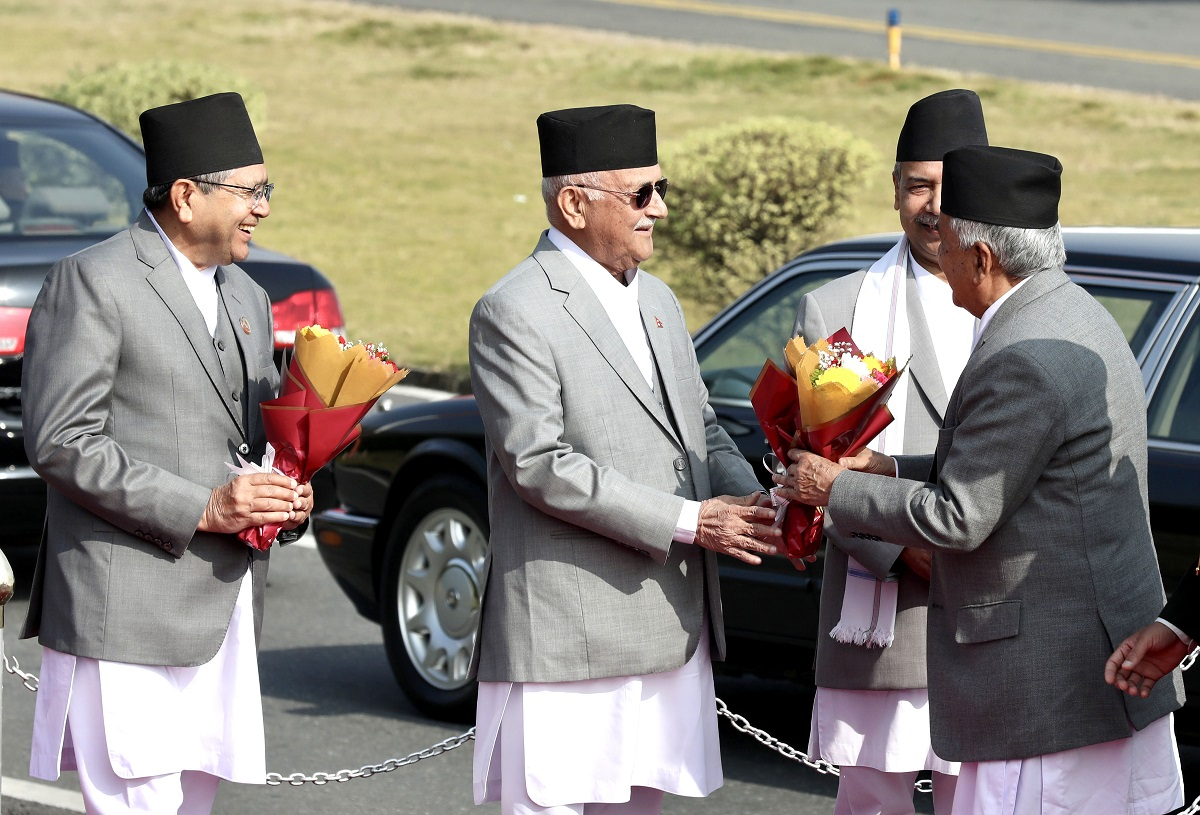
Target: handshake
{"type": "Point", "coordinates": [748, 526]}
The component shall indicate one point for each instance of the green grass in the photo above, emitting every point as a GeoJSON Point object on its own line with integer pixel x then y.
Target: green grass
{"type": "Point", "coordinates": [405, 152]}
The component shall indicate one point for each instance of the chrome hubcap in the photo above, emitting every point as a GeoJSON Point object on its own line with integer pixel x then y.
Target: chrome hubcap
{"type": "Point", "coordinates": [438, 597]}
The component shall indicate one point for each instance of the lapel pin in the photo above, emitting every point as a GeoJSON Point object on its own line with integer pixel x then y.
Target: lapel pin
{"type": "Point", "coordinates": [245, 326]}
{"type": "Point", "coordinates": [658, 322]}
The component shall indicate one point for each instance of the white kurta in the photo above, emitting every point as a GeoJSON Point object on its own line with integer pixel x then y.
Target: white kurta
{"type": "Point", "coordinates": [1139, 775]}
{"type": "Point", "coordinates": [160, 720]}
{"type": "Point", "coordinates": [886, 730]}
{"type": "Point", "coordinates": [593, 740]}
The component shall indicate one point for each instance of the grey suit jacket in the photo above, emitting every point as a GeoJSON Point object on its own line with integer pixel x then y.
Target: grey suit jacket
{"type": "Point", "coordinates": [130, 420]}
{"type": "Point", "coordinates": [902, 664]}
{"type": "Point", "coordinates": [587, 475]}
{"type": "Point", "coordinates": [1039, 522]}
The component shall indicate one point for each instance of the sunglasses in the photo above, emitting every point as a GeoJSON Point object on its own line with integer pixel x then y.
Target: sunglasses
{"type": "Point", "coordinates": [641, 196]}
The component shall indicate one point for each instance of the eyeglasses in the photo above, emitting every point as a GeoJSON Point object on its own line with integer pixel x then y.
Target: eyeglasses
{"type": "Point", "coordinates": [254, 195]}
{"type": "Point", "coordinates": [641, 196]}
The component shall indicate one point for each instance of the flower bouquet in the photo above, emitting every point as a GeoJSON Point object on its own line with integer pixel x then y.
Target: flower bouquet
{"type": "Point", "coordinates": [832, 403]}
{"type": "Point", "coordinates": [327, 388]}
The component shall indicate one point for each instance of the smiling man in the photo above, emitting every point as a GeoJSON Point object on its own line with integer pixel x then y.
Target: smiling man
{"type": "Point", "coordinates": [147, 357]}
{"type": "Point", "coordinates": [601, 609]}
{"type": "Point", "coordinates": [871, 710]}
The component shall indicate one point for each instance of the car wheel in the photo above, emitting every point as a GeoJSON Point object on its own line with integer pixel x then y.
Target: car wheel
{"type": "Point", "coordinates": [431, 591]}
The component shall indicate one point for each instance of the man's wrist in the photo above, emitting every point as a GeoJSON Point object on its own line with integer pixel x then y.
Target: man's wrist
{"type": "Point", "coordinates": [1188, 641]}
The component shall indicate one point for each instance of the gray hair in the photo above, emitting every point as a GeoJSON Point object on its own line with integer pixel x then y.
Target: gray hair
{"type": "Point", "coordinates": [1020, 252]}
{"type": "Point", "coordinates": [154, 197]}
{"type": "Point", "coordinates": [553, 185]}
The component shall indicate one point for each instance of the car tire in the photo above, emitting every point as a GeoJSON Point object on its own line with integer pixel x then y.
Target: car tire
{"type": "Point", "coordinates": [431, 591]}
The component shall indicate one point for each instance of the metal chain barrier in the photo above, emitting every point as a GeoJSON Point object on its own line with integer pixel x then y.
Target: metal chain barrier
{"type": "Point", "coordinates": [299, 779]}
{"type": "Point", "coordinates": [738, 722]}
{"type": "Point", "coordinates": [27, 679]}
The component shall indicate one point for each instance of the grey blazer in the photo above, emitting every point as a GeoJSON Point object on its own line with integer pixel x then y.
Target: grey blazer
{"type": "Point", "coordinates": [902, 664]}
{"type": "Point", "coordinates": [130, 420]}
{"type": "Point", "coordinates": [587, 475]}
{"type": "Point", "coordinates": [1039, 523]}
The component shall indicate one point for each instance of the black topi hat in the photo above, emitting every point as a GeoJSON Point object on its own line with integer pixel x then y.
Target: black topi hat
{"type": "Point", "coordinates": [205, 135]}
{"type": "Point", "coordinates": [586, 140]}
{"type": "Point", "coordinates": [940, 123]}
{"type": "Point", "coordinates": [1002, 186]}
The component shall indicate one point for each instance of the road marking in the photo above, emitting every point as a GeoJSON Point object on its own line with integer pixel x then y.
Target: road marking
{"type": "Point", "coordinates": [43, 794]}
{"type": "Point", "coordinates": [817, 20]}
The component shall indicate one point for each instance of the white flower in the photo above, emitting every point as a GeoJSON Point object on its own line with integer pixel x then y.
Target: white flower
{"type": "Point", "coordinates": [855, 364]}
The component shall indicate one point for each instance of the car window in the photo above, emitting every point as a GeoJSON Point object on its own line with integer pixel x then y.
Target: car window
{"type": "Point", "coordinates": [1136, 310]}
{"type": "Point", "coordinates": [68, 180]}
{"type": "Point", "coordinates": [731, 358]}
{"type": "Point", "coordinates": [1175, 408]}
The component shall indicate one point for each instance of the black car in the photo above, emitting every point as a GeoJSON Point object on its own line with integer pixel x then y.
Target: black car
{"type": "Point", "coordinates": [407, 542]}
{"type": "Point", "coordinates": [68, 180]}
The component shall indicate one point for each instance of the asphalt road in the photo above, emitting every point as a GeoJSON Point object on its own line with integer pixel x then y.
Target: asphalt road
{"type": "Point", "coordinates": [1144, 46]}
{"type": "Point", "coordinates": [330, 703]}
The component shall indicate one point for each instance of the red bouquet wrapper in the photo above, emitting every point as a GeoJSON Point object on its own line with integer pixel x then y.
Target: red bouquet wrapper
{"type": "Point", "coordinates": [776, 401]}
{"type": "Point", "coordinates": [310, 421]}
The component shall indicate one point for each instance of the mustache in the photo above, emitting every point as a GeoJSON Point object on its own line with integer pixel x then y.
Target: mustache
{"type": "Point", "coordinates": [927, 220]}
{"type": "Point", "coordinates": [645, 223]}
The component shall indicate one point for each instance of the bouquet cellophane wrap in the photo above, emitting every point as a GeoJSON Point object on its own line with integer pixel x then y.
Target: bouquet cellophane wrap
{"type": "Point", "coordinates": [842, 421]}
{"type": "Point", "coordinates": [326, 390]}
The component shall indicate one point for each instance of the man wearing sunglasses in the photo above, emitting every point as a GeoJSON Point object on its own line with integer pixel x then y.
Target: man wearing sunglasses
{"type": "Point", "coordinates": [871, 711]}
{"type": "Point", "coordinates": [147, 357]}
{"type": "Point", "coordinates": [601, 609]}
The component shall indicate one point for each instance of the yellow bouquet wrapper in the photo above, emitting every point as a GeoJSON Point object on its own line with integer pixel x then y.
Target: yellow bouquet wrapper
{"type": "Point", "coordinates": [342, 374]}
{"type": "Point", "coordinates": [839, 390]}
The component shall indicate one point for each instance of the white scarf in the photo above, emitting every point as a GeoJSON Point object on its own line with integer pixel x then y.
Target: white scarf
{"type": "Point", "coordinates": [881, 328]}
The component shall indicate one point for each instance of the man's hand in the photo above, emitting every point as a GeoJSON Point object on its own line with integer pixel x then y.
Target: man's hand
{"type": "Point", "coordinates": [1144, 658]}
{"type": "Point", "coordinates": [738, 527]}
{"type": "Point", "coordinates": [918, 561]}
{"type": "Point", "coordinates": [808, 479]}
{"type": "Point", "coordinates": [302, 507]}
{"type": "Point", "coordinates": [254, 500]}
{"type": "Point", "coordinates": [868, 461]}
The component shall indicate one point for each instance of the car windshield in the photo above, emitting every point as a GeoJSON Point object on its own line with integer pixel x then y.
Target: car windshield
{"type": "Point", "coordinates": [68, 180]}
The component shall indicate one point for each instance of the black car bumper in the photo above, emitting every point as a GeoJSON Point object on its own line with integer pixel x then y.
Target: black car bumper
{"type": "Point", "coordinates": [346, 543]}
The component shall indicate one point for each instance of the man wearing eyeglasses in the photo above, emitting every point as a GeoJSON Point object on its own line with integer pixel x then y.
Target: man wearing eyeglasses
{"type": "Point", "coordinates": [147, 357]}
{"type": "Point", "coordinates": [601, 609]}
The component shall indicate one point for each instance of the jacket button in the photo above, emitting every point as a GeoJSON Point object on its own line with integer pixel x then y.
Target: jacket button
{"type": "Point", "coordinates": [236, 396]}
{"type": "Point", "coordinates": [680, 464]}
{"type": "Point", "coordinates": [243, 448]}
{"type": "Point", "coordinates": [220, 345]}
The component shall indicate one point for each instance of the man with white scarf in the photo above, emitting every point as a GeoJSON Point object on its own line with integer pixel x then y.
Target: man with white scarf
{"type": "Point", "coordinates": [870, 715]}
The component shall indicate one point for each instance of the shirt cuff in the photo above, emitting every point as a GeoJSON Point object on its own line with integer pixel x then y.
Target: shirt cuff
{"type": "Point", "coordinates": [689, 522]}
{"type": "Point", "coordinates": [1182, 636]}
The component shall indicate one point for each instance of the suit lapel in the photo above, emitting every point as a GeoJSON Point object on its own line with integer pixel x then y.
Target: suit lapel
{"type": "Point", "coordinates": [654, 319]}
{"type": "Point", "coordinates": [235, 311]}
{"type": "Point", "coordinates": [923, 368]}
{"type": "Point", "coordinates": [585, 308]}
{"type": "Point", "coordinates": [164, 277]}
